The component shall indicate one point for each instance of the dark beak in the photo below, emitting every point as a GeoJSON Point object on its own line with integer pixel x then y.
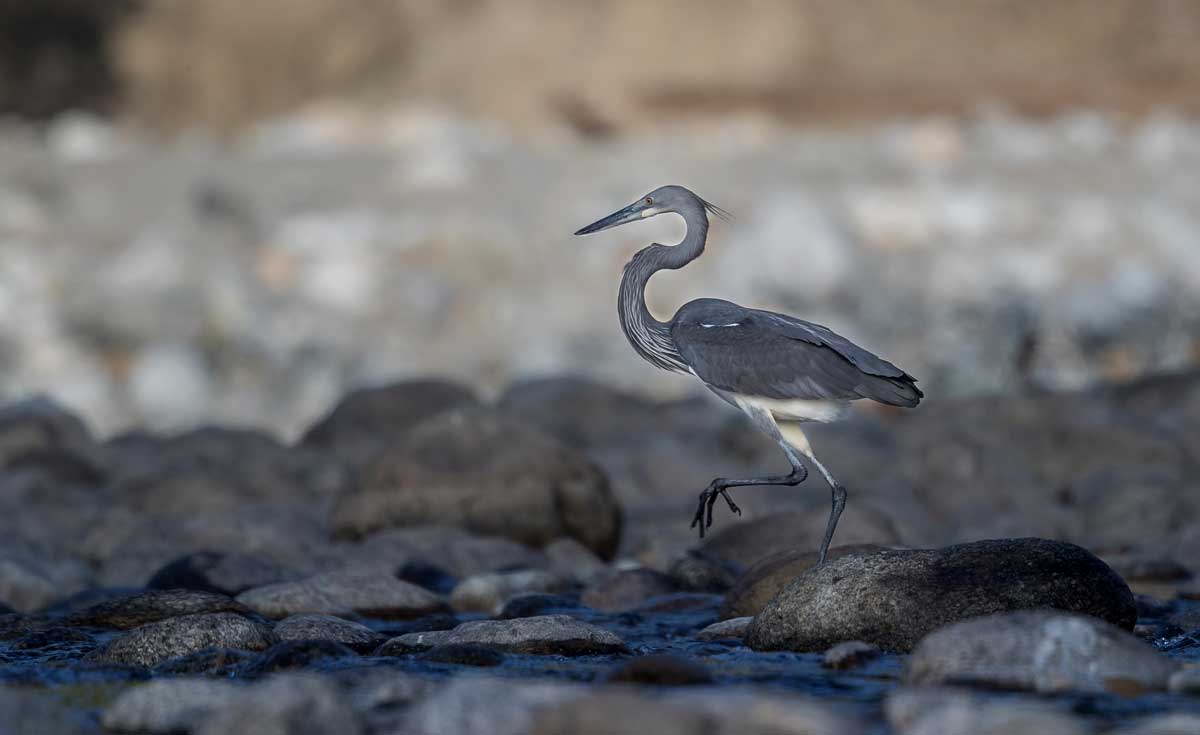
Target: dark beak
{"type": "Point", "coordinates": [632, 213]}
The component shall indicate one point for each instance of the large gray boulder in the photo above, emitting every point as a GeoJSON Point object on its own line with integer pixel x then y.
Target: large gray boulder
{"type": "Point", "coordinates": [1040, 650]}
{"type": "Point", "coordinates": [894, 598]}
{"type": "Point", "coordinates": [759, 584]}
{"type": "Point", "coordinates": [489, 474]}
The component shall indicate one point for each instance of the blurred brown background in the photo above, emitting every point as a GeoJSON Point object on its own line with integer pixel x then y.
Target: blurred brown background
{"type": "Point", "coordinates": [237, 210]}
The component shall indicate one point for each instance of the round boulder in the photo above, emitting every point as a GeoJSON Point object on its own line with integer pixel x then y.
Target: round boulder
{"type": "Point", "coordinates": [489, 474]}
{"type": "Point", "coordinates": [759, 584]}
{"type": "Point", "coordinates": [894, 598]}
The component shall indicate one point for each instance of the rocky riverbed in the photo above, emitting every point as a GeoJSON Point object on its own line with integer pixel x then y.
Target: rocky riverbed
{"type": "Point", "coordinates": [421, 560]}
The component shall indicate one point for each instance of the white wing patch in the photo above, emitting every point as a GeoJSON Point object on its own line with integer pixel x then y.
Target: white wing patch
{"type": "Point", "coordinates": [710, 326]}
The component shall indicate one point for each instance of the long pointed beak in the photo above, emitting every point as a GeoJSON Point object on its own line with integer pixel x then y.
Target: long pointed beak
{"type": "Point", "coordinates": [632, 213]}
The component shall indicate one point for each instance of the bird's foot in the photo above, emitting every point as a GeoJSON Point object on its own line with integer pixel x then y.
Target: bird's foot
{"type": "Point", "coordinates": [708, 498]}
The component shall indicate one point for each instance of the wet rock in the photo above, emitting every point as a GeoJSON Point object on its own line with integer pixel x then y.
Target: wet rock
{"type": "Point", "coordinates": [317, 627]}
{"type": "Point", "coordinates": [368, 420]}
{"type": "Point", "coordinates": [208, 662]}
{"type": "Point", "coordinates": [1169, 724]}
{"type": "Point", "coordinates": [368, 593]}
{"type": "Point", "coordinates": [488, 592]}
{"type": "Point", "coordinates": [733, 628]}
{"type": "Point", "coordinates": [1043, 651]}
{"type": "Point", "coordinates": [207, 571]}
{"type": "Point", "coordinates": [661, 670]}
{"type": "Point", "coordinates": [759, 584]}
{"type": "Point", "coordinates": [541, 635]}
{"type": "Point", "coordinates": [287, 655]}
{"type": "Point", "coordinates": [747, 542]}
{"type": "Point", "coordinates": [168, 705]}
{"type": "Point", "coordinates": [535, 603]}
{"type": "Point", "coordinates": [1184, 681]}
{"type": "Point", "coordinates": [491, 475]}
{"type": "Point", "coordinates": [124, 613]}
{"type": "Point", "coordinates": [849, 655]}
{"type": "Point", "coordinates": [941, 711]}
{"type": "Point", "coordinates": [151, 644]}
{"type": "Point", "coordinates": [570, 559]}
{"type": "Point", "coordinates": [698, 571]}
{"type": "Point", "coordinates": [894, 598]}
{"type": "Point", "coordinates": [288, 704]}
{"type": "Point", "coordinates": [626, 589]}
{"type": "Point", "coordinates": [463, 654]}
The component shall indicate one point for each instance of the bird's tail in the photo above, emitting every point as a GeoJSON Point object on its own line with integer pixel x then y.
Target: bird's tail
{"type": "Point", "coordinates": [901, 391]}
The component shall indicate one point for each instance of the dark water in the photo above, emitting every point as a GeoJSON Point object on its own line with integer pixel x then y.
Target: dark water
{"type": "Point", "coordinates": [52, 664]}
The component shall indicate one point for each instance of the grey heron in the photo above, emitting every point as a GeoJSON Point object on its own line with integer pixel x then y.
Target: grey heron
{"type": "Point", "coordinates": [779, 370]}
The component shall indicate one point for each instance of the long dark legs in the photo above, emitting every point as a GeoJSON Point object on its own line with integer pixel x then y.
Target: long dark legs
{"type": "Point", "coordinates": [719, 487]}
{"type": "Point", "coordinates": [793, 436]}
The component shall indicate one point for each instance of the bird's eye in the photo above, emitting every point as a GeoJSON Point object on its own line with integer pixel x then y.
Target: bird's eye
{"type": "Point", "coordinates": [649, 200]}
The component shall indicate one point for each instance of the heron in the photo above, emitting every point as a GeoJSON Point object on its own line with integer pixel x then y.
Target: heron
{"type": "Point", "coordinates": [779, 370]}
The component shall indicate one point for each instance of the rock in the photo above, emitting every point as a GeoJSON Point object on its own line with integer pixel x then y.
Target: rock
{"type": "Point", "coordinates": [220, 662]}
{"type": "Point", "coordinates": [1041, 650]}
{"type": "Point", "coordinates": [463, 654]}
{"type": "Point", "coordinates": [430, 576]}
{"type": "Point", "coordinates": [485, 706]}
{"type": "Point", "coordinates": [287, 655]}
{"type": "Point", "coordinates": [1180, 723]}
{"type": "Point", "coordinates": [349, 592]}
{"type": "Point", "coordinates": [488, 592]}
{"type": "Point", "coordinates": [151, 644]}
{"type": "Point", "coordinates": [39, 424]}
{"type": "Point", "coordinates": [941, 711]}
{"type": "Point", "coordinates": [38, 711]}
{"type": "Point", "coordinates": [759, 584]}
{"type": "Point", "coordinates": [318, 627]}
{"type": "Point", "coordinates": [123, 613]}
{"type": "Point", "coordinates": [168, 705]}
{"type": "Point", "coordinates": [437, 621]}
{"type": "Point", "coordinates": [541, 635]}
{"type": "Point", "coordinates": [690, 711]}
{"type": "Point", "coordinates": [531, 604]}
{"type": "Point", "coordinates": [459, 552]}
{"type": "Point", "coordinates": [1184, 681]}
{"type": "Point", "coordinates": [733, 628]}
{"type": "Point", "coordinates": [207, 571]}
{"type": "Point", "coordinates": [582, 413]}
{"type": "Point", "coordinates": [698, 571]}
{"type": "Point", "coordinates": [849, 655]}
{"type": "Point", "coordinates": [368, 420]}
{"type": "Point", "coordinates": [483, 472]}
{"type": "Point", "coordinates": [64, 641]}
{"type": "Point", "coordinates": [287, 704]}
{"type": "Point", "coordinates": [570, 559]}
{"type": "Point", "coordinates": [660, 670]}
{"type": "Point", "coordinates": [894, 598]}
{"type": "Point", "coordinates": [626, 589]}
{"type": "Point", "coordinates": [749, 541]}
{"type": "Point", "coordinates": [31, 584]}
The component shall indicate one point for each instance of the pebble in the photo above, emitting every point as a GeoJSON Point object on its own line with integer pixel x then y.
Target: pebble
{"type": "Point", "coordinates": [318, 627]}
{"type": "Point", "coordinates": [154, 643]}
{"type": "Point", "coordinates": [733, 628]}
{"type": "Point", "coordinates": [488, 592]}
{"type": "Point", "coordinates": [849, 655]}
{"type": "Point", "coordinates": [947, 711]}
{"type": "Point", "coordinates": [346, 592]}
{"type": "Point", "coordinates": [542, 635]}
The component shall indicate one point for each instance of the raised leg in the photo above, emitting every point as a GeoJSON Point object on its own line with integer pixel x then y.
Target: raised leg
{"type": "Point", "coordinates": [797, 439]}
{"type": "Point", "coordinates": [719, 487]}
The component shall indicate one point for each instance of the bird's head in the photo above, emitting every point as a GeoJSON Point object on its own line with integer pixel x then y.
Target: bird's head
{"type": "Point", "coordinates": [660, 201]}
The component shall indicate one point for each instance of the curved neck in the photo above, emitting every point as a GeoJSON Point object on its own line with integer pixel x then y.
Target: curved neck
{"type": "Point", "coordinates": [649, 337]}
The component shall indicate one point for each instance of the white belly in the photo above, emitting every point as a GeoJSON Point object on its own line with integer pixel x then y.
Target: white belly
{"type": "Point", "coordinates": [797, 409]}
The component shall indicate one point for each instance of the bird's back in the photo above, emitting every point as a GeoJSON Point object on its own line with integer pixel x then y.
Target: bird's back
{"type": "Point", "coordinates": [762, 353]}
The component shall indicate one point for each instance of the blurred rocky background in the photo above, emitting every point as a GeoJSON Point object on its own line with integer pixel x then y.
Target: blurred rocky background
{"type": "Point", "coordinates": [229, 211]}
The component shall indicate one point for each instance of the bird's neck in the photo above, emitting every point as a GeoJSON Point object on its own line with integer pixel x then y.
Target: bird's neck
{"type": "Point", "coordinates": [649, 337]}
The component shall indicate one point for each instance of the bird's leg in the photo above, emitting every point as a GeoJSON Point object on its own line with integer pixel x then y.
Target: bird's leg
{"type": "Point", "coordinates": [797, 439]}
{"type": "Point", "coordinates": [721, 485]}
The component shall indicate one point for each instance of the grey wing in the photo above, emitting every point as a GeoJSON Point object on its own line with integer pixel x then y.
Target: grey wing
{"type": "Point", "coordinates": [761, 353]}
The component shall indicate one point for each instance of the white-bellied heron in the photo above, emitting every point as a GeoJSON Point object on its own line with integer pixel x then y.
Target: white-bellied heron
{"type": "Point", "coordinates": [779, 370]}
